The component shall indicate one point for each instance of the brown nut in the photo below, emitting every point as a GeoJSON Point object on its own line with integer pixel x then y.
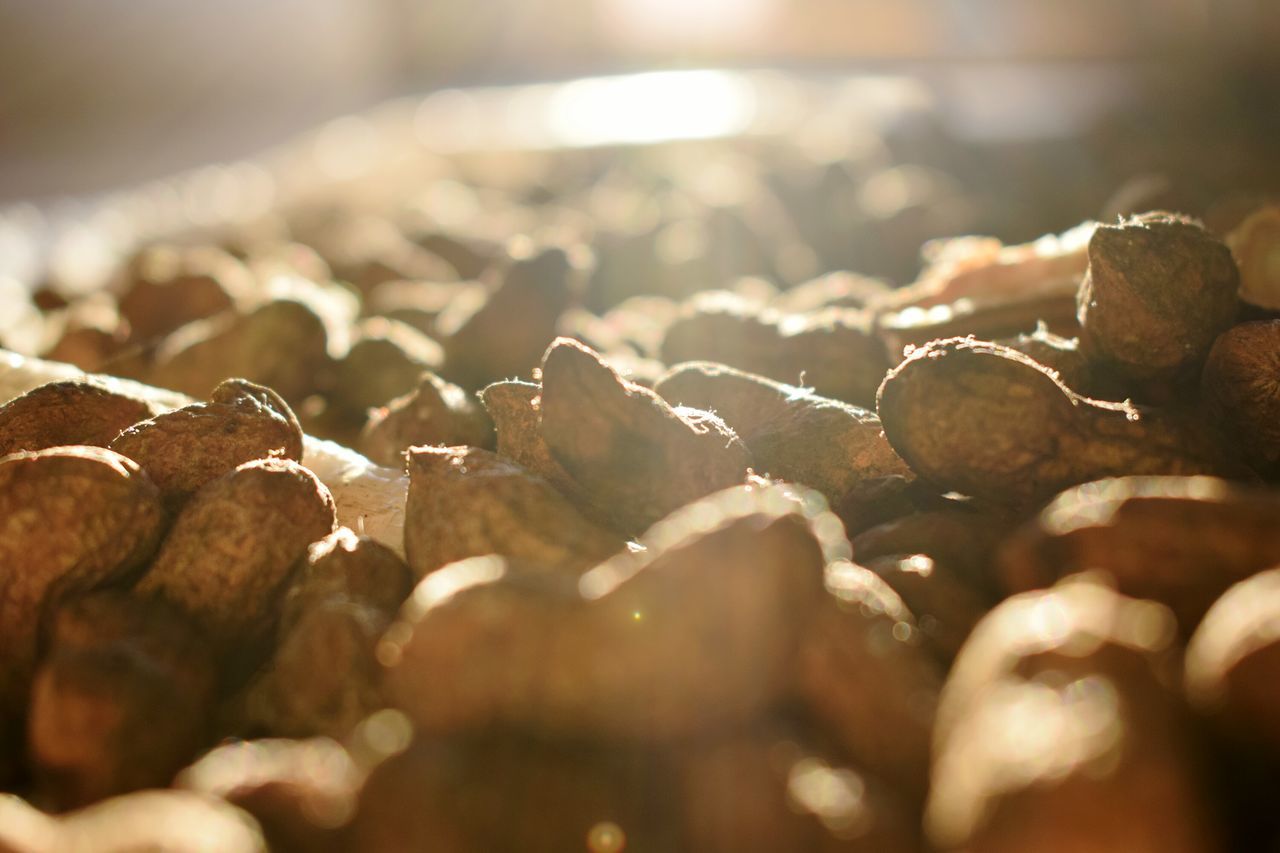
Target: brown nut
{"type": "Point", "coordinates": [699, 628]}
{"type": "Point", "coordinates": [516, 410]}
{"type": "Point", "coordinates": [92, 334]}
{"type": "Point", "coordinates": [1179, 541]}
{"type": "Point", "coordinates": [302, 792]}
{"type": "Point", "coordinates": [1233, 660]}
{"type": "Point", "coordinates": [916, 326]}
{"type": "Point", "coordinates": [1159, 289]}
{"type": "Point", "coordinates": [792, 433]}
{"type": "Point", "coordinates": [769, 790]}
{"type": "Point", "coordinates": [861, 664]}
{"type": "Point", "coordinates": [835, 351]}
{"type": "Point", "coordinates": [1059, 354]}
{"type": "Point", "coordinates": [1241, 386]}
{"type": "Point", "coordinates": [168, 821]}
{"type": "Point", "coordinates": [386, 360]}
{"type": "Point", "coordinates": [283, 344]}
{"type": "Point", "coordinates": [636, 456]}
{"type": "Point", "coordinates": [437, 412]}
{"type": "Point", "coordinates": [74, 518]}
{"type": "Point", "coordinates": [506, 335]}
{"type": "Point", "coordinates": [945, 608]}
{"type": "Point", "coordinates": [166, 287]}
{"type": "Point", "coordinates": [987, 421]}
{"type": "Point", "coordinates": [184, 449]}
{"type": "Point", "coordinates": [1058, 731]}
{"type": "Point", "coordinates": [232, 548]}
{"type": "Point", "coordinates": [466, 502]}
{"type": "Point", "coordinates": [353, 568]}
{"type": "Point", "coordinates": [118, 713]}
{"type": "Point", "coordinates": [66, 413]}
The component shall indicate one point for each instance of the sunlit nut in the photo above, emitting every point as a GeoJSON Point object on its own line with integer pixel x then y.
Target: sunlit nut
{"type": "Point", "coordinates": [65, 413]}
{"type": "Point", "coordinates": [1178, 540]}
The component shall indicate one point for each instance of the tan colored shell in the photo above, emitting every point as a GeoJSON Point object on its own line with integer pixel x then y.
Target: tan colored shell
{"type": "Point", "coordinates": [169, 821]}
{"type": "Point", "coordinates": [71, 518]}
{"type": "Point", "coordinates": [233, 546]}
{"type": "Point", "coordinates": [987, 421]}
{"type": "Point", "coordinates": [1181, 541]}
{"type": "Point", "coordinates": [184, 449]}
{"type": "Point", "coordinates": [436, 412]}
{"type": "Point", "coordinates": [66, 413]}
{"type": "Point", "coordinates": [637, 457]}
{"type": "Point", "coordinates": [699, 628]}
{"type": "Point", "coordinates": [466, 502]}
{"type": "Point", "coordinates": [793, 434]}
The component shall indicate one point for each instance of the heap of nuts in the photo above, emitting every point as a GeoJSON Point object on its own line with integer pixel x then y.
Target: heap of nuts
{"type": "Point", "coordinates": [990, 562]}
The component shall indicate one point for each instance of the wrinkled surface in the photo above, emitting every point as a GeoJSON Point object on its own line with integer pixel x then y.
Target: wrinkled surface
{"type": "Point", "coordinates": [1241, 385]}
{"type": "Point", "coordinates": [66, 413]}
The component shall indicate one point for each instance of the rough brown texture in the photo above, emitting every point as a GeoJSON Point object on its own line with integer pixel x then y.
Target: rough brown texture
{"type": "Point", "coordinates": [834, 351]}
{"type": "Point", "coordinates": [1058, 731]}
{"type": "Point", "coordinates": [65, 413]}
{"type": "Point", "coordinates": [792, 433]}
{"type": "Point", "coordinates": [168, 286]}
{"type": "Point", "coordinates": [1059, 354]}
{"type": "Point", "coordinates": [516, 410]}
{"type": "Point", "coordinates": [768, 790]}
{"type": "Point", "coordinates": [636, 456]}
{"type": "Point", "coordinates": [466, 502]}
{"type": "Point", "coordinates": [71, 518]}
{"type": "Point", "coordinates": [120, 702]}
{"type": "Point", "coordinates": [1180, 541]}
{"type": "Point", "coordinates": [386, 360]}
{"type": "Point", "coordinates": [1159, 289]}
{"type": "Point", "coordinates": [283, 344]}
{"type": "Point", "coordinates": [506, 335]}
{"type": "Point", "coordinates": [232, 547]}
{"type": "Point", "coordinates": [185, 449]}
{"type": "Point", "coordinates": [1241, 386]}
{"type": "Point", "coordinates": [863, 674]}
{"type": "Point", "coordinates": [302, 792]}
{"type": "Point", "coordinates": [437, 412]}
{"type": "Point", "coordinates": [355, 568]}
{"type": "Point", "coordinates": [987, 421]}
{"type": "Point", "coordinates": [699, 628]}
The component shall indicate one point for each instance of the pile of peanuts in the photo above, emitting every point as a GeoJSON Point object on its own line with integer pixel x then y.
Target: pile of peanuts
{"type": "Point", "coordinates": [987, 562]}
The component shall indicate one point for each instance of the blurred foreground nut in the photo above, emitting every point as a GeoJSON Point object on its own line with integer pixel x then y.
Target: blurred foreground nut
{"type": "Point", "coordinates": [65, 413]}
{"type": "Point", "coordinates": [74, 518]}
{"type": "Point", "coordinates": [636, 456]}
{"type": "Point", "coordinates": [506, 335]}
{"type": "Point", "coordinates": [987, 421]}
{"type": "Point", "coordinates": [166, 287]}
{"type": "Point", "coordinates": [184, 449]}
{"type": "Point", "coordinates": [24, 828]}
{"type": "Point", "coordinates": [792, 433]}
{"type": "Point", "coordinates": [436, 412]}
{"type": "Point", "coordinates": [946, 609]}
{"type": "Point", "coordinates": [302, 792]}
{"type": "Point", "coordinates": [282, 344]}
{"type": "Point", "coordinates": [92, 334]}
{"type": "Point", "coordinates": [699, 628]}
{"type": "Point", "coordinates": [1241, 386]}
{"type": "Point", "coordinates": [119, 702]}
{"type": "Point", "coordinates": [764, 791]}
{"type": "Point", "coordinates": [323, 678]}
{"type": "Point", "coordinates": [233, 546]}
{"type": "Point", "coordinates": [1059, 730]}
{"type": "Point", "coordinates": [835, 352]}
{"type": "Point", "coordinates": [466, 502]}
{"type": "Point", "coordinates": [1255, 245]}
{"type": "Point", "coordinates": [161, 821]}
{"type": "Point", "coordinates": [386, 360]}
{"type": "Point", "coordinates": [863, 674]}
{"type": "Point", "coordinates": [1159, 289]}
{"type": "Point", "coordinates": [1233, 662]}
{"type": "Point", "coordinates": [519, 793]}
{"type": "Point", "coordinates": [1181, 541]}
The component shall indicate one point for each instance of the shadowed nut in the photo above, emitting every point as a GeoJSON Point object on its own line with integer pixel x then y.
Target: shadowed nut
{"type": "Point", "coordinates": [516, 409]}
{"type": "Point", "coordinates": [168, 286]}
{"type": "Point", "coordinates": [1181, 541]}
{"type": "Point", "coordinates": [1158, 290]}
{"type": "Point", "coordinates": [437, 412]}
{"type": "Point", "coordinates": [386, 360]}
{"type": "Point", "coordinates": [987, 421]}
{"type": "Point", "coordinates": [466, 502]}
{"type": "Point", "coordinates": [65, 413]}
{"type": "Point", "coordinates": [699, 628]}
{"type": "Point", "coordinates": [1240, 385]}
{"type": "Point", "coordinates": [74, 518]}
{"type": "Point", "coordinates": [232, 548]}
{"type": "Point", "coordinates": [184, 449]}
{"type": "Point", "coordinates": [636, 456]}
